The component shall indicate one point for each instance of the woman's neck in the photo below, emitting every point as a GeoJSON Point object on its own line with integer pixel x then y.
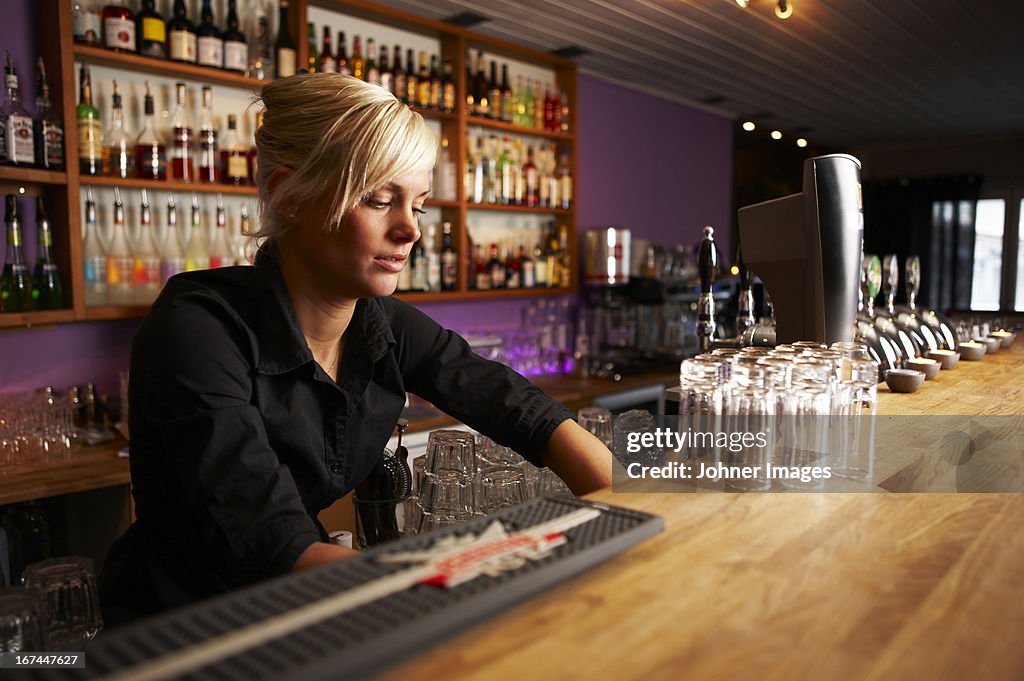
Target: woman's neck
{"type": "Point", "coordinates": [323, 318]}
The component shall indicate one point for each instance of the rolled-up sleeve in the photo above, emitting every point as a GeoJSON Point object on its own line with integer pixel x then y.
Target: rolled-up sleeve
{"type": "Point", "coordinates": [439, 366]}
{"type": "Point", "coordinates": [196, 435]}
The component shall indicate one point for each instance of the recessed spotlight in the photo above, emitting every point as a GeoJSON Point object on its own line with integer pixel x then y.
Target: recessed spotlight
{"type": "Point", "coordinates": [734, 270]}
{"type": "Point", "coordinates": [743, 3]}
{"type": "Point", "coordinates": [784, 9]}
{"type": "Point", "coordinates": [801, 142]}
{"type": "Point", "coordinates": [749, 126]}
{"type": "Point", "coordinates": [776, 135]}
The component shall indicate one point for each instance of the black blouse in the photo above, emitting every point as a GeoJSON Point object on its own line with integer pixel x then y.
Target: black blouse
{"type": "Point", "coordinates": [239, 438]}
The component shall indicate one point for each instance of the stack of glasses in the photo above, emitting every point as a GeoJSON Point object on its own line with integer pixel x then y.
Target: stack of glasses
{"type": "Point", "coordinates": [815, 404]}
{"type": "Point", "coordinates": [35, 427]}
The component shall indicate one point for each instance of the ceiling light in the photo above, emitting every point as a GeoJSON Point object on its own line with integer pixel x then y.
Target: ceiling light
{"type": "Point", "coordinates": [776, 135]}
{"type": "Point", "coordinates": [734, 270]}
{"type": "Point", "coordinates": [743, 3]}
{"type": "Point", "coordinates": [749, 126]}
{"type": "Point", "coordinates": [784, 9]}
{"type": "Point", "coordinates": [801, 143]}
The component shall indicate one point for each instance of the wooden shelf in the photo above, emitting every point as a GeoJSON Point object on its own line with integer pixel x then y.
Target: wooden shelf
{"type": "Point", "coordinates": [165, 68]}
{"type": "Point", "coordinates": [115, 312]}
{"type": "Point", "coordinates": [168, 185]}
{"type": "Point", "coordinates": [80, 469]}
{"type": "Point", "coordinates": [434, 113]}
{"type": "Point", "coordinates": [438, 203]}
{"type": "Point", "coordinates": [518, 209]}
{"type": "Point", "coordinates": [32, 175]}
{"type": "Point", "coordinates": [456, 296]}
{"type": "Point", "coordinates": [517, 129]}
{"type": "Point", "coordinates": [39, 318]}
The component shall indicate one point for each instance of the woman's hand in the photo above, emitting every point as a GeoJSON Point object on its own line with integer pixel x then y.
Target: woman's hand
{"type": "Point", "coordinates": [579, 458]}
{"type": "Point", "coordinates": [321, 553]}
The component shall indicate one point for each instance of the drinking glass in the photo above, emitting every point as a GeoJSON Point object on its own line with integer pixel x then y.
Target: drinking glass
{"type": "Point", "coordinates": [68, 585]}
{"type": "Point", "coordinates": [490, 453]}
{"type": "Point", "coordinates": [376, 521]}
{"type": "Point", "coordinates": [551, 485]}
{"type": "Point", "coordinates": [447, 498]}
{"type": "Point", "coordinates": [598, 421]}
{"type": "Point", "coordinates": [806, 432]}
{"type": "Point", "coordinates": [451, 450]}
{"type": "Point", "coordinates": [700, 409]}
{"type": "Point", "coordinates": [22, 620]}
{"type": "Point", "coordinates": [856, 458]}
{"type": "Point", "coordinates": [749, 410]}
{"type": "Point", "coordinates": [501, 486]}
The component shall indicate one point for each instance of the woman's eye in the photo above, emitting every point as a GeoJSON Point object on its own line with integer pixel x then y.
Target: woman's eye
{"type": "Point", "coordinates": [376, 203]}
{"type": "Point", "coordinates": [420, 211]}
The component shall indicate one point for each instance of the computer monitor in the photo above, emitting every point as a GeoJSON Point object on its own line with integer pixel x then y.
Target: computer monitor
{"type": "Point", "coordinates": [806, 248]}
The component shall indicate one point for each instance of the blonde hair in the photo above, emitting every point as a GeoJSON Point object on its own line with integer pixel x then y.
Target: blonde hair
{"type": "Point", "coordinates": [341, 137]}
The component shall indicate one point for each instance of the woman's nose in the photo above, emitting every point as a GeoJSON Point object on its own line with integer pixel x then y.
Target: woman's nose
{"type": "Point", "coordinates": [407, 228]}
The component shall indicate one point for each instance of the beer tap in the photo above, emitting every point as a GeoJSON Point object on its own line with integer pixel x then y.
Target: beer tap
{"type": "Point", "coordinates": [745, 305]}
{"type": "Point", "coordinates": [707, 263]}
{"type": "Point", "coordinates": [886, 320]}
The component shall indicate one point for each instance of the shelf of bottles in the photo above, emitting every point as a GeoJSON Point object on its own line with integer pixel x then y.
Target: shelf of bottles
{"type": "Point", "coordinates": [144, 119]}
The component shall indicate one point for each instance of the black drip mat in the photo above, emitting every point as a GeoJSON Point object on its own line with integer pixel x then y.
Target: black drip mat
{"type": "Point", "coordinates": [370, 637]}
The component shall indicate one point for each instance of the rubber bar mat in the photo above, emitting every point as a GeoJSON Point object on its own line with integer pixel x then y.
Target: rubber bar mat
{"type": "Point", "coordinates": [354, 618]}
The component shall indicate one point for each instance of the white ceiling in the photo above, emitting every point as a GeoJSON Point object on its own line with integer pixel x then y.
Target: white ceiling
{"type": "Point", "coordinates": [854, 71]}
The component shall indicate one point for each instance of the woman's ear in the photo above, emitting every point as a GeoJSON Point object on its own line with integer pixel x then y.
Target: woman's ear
{"type": "Point", "coordinates": [273, 182]}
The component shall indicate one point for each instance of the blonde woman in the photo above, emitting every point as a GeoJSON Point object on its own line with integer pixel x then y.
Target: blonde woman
{"type": "Point", "coordinates": [259, 396]}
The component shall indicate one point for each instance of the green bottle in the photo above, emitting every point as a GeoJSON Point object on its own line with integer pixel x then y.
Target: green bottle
{"type": "Point", "coordinates": [15, 283]}
{"type": "Point", "coordinates": [46, 289]}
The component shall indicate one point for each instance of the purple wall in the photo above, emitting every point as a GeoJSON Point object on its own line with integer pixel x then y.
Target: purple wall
{"type": "Point", "coordinates": [657, 167]}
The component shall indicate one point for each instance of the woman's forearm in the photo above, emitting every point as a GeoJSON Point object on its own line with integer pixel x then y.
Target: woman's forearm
{"type": "Point", "coordinates": [579, 458]}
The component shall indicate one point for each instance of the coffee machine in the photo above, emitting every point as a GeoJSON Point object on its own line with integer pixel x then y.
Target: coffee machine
{"type": "Point", "coordinates": [806, 249]}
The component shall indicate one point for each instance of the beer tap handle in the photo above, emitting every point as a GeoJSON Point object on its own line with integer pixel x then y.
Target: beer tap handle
{"type": "Point", "coordinates": [891, 279]}
{"type": "Point", "coordinates": [912, 279]}
{"type": "Point", "coordinates": [707, 263]}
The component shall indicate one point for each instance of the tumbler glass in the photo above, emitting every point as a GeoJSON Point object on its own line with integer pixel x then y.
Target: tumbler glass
{"type": "Point", "coordinates": [749, 419]}
{"type": "Point", "coordinates": [500, 487]}
{"type": "Point", "coordinates": [700, 410]}
{"type": "Point", "coordinates": [598, 421]}
{"type": "Point", "coordinates": [806, 434]}
{"type": "Point", "coordinates": [22, 620]}
{"type": "Point", "coordinates": [451, 450]}
{"type": "Point", "coordinates": [68, 586]}
{"type": "Point", "coordinates": [856, 458]}
{"type": "Point", "coordinates": [447, 498]}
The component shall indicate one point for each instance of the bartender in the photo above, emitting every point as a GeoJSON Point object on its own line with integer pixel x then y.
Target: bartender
{"type": "Point", "coordinates": [261, 395]}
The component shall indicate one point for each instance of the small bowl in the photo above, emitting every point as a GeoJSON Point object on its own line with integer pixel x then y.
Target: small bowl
{"type": "Point", "coordinates": [1006, 337]}
{"type": "Point", "coordinates": [904, 380]}
{"type": "Point", "coordinates": [972, 351]}
{"type": "Point", "coordinates": [946, 358]}
{"type": "Point", "coordinates": [929, 367]}
{"type": "Point", "coordinates": [992, 343]}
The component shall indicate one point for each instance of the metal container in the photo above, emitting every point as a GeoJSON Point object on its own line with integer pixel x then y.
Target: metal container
{"type": "Point", "coordinates": [607, 256]}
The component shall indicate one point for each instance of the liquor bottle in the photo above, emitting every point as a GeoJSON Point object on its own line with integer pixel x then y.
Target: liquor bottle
{"type": "Point", "coordinates": [564, 260]}
{"type": "Point", "coordinates": [372, 70]}
{"type": "Point", "coordinates": [550, 108]}
{"type": "Point", "coordinates": [234, 161]}
{"type": "Point", "coordinates": [197, 257]}
{"type": "Point", "coordinates": [209, 42]}
{"type": "Point", "coordinates": [209, 160]}
{"type": "Point", "coordinates": [528, 274]}
{"type": "Point", "coordinates": [253, 157]}
{"type": "Point", "coordinates": [118, 27]}
{"type": "Point", "coordinates": [519, 101]}
{"type": "Point", "coordinates": [491, 180]}
{"type": "Point", "coordinates": [551, 256]}
{"type": "Point", "coordinates": [483, 107]}
{"type": "Point", "coordinates": [449, 259]}
{"type": "Point", "coordinates": [120, 264]}
{"type": "Point", "coordinates": [532, 197]}
{"type": "Point", "coordinates": [482, 275]}
{"type": "Point", "coordinates": [564, 175]}
{"type": "Point", "coordinates": [447, 87]}
{"type": "Point", "coordinates": [411, 79]}
{"type": "Point", "coordinates": [261, 56]}
{"type": "Point", "coordinates": [387, 77]}
{"type": "Point", "coordinates": [506, 184]}
{"type": "Point", "coordinates": [515, 171]}
{"type": "Point", "coordinates": [433, 265]}
{"type": "Point", "coordinates": [530, 105]}
{"type": "Point", "coordinates": [95, 256]}
{"type": "Point", "coordinates": [49, 131]}
{"type": "Point", "coordinates": [220, 249]}
{"type": "Point", "coordinates": [540, 266]}
{"type": "Point", "coordinates": [356, 63]}
{"type": "Point", "coordinates": [327, 63]}
{"type": "Point", "coordinates": [181, 35]}
{"type": "Point", "coordinates": [563, 117]}
{"type": "Point", "coordinates": [243, 243]}
{"type": "Point", "coordinates": [86, 24]}
{"type": "Point", "coordinates": [418, 259]}
{"type": "Point", "coordinates": [181, 131]}
{"type": "Point", "coordinates": [118, 153]}
{"type": "Point", "coordinates": [90, 151]}
{"type": "Point", "coordinates": [312, 55]}
{"type": "Point", "coordinates": [435, 84]}
{"type": "Point", "coordinates": [236, 51]}
{"type": "Point", "coordinates": [146, 261]}
{"type": "Point", "coordinates": [444, 174]}
{"type": "Point", "coordinates": [480, 179]}
{"type": "Point", "coordinates": [150, 31]}
{"type": "Point", "coordinates": [494, 93]}
{"type": "Point", "coordinates": [46, 287]}
{"type": "Point", "coordinates": [150, 153]}
{"type": "Point", "coordinates": [513, 269]}
{"type": "Point", "coordinates": [18, 131]}
{"type": "Point", "coordinates": [496, 269]}
{"type": "Point", "coordinates": [538, 111]}
{"type": "Point", "coordinates": [341, 62]}
{"type": "Point", "coordinates": [15, 282]}
{"type": "Point", "coordinates": [508, 103]}
{"type": "Point", "coordinates": [172, 257]}
{"type": "Point", "coordinates": [423, 82]}
{"type": "Point", "coordinates": [284, 48]}
{"type": "Point", "coordinates": [398, 75]}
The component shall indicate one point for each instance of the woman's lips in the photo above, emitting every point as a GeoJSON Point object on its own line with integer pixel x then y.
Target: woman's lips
{"type": "Point", "coordinates": [392, 263]}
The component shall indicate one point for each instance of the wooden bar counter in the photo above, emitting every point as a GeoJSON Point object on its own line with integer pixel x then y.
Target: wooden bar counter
{"type": "Point", "coordinates": [788, 586]}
